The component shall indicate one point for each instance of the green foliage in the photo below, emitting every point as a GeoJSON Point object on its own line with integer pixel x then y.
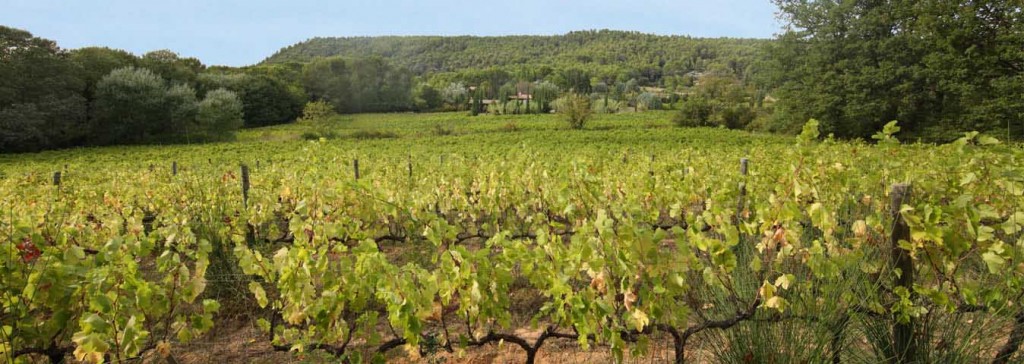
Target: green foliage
{"type": "Point", "coordinates": [695, 111]}
{"type": "Point", "coordinates": [40, 102]}
{"type": "Point", "coordinates": [649, 101]}
{"type": "Point", "coordinates": [219, 115]}
{"type": "Point", "coordinates": [317, 112]}
{"type": "Point", "coordinates": [132, 106]}
{"type": "Point", "coordinates": [472, 60]}
{"type": "Point", "coordinates": [358, 84]}
{"type": "Point", "coordinates": [373, 134]}
{"type": "Point", "coordinates": [320, 115]}
{"type": "Point", "coordinates": [455, 95]}
{"type": "Point", "coordinates": [603, 105]}
{"type": "Point", "coordinates": [494, 233]}
{"type": "Point", "coordinates": [169, 66]}
{"type": "Point", "coordinates": [136, 106]}
{"type": "Point", "coordinates": [266, 100]}
{"type": "Point", "coordinates": [96, 62]}
{"type": "Point", "coordinates": [575, 109]}
{"type": "Point", "coordinates": [810, 132]}
{"type": "Point", "coordinates": [719, 100]}
{"type": "Point", "coordinates": [427, 98]}
{"type": "Point", "coordinates": [887, 134]}
{"type": "Point", "coordinates": [942, 67]}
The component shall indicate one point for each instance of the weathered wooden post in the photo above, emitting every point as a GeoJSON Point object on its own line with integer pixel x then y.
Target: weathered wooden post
{"type": "Point", "coordinates": [355, 165]}
{"type": "Point", "coordinates": [744, 163]}
{"type": "Point", "coordinates": [174, 168]}
{"type": "Point", "coordinates": [409, 161]}
{"type": "Point", "coordinates": [651, 172]}
{"type": "Point", "coordinates": [245, 185]}
{"type": "Point", "coordinates": [56, 178]}
{"type": "Point", "coordinates": [902, 332]}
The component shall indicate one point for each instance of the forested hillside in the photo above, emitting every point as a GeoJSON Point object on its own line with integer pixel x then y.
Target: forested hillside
{"type": "Point", "coordinates": [606, 54]}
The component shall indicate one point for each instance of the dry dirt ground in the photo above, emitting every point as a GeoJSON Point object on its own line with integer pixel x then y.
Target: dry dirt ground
{"type": "Point", "coordinates": [240, 343]}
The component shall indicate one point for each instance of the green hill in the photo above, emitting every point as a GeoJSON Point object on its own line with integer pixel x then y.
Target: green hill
{"type": "Point", "coordinates": [603, 53]}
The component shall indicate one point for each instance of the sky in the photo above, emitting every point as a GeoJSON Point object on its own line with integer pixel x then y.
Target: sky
{"type": "Point", "coordinates": [244, 32]}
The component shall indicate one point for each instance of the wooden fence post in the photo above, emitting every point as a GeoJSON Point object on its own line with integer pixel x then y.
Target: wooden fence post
{"type": "Point", "coordinates": [355, 165]}
{"type": "Point", "coordinates": [56, 178]}
{"type": "Point", "coordinates": [903, 344]}
{"type": "Point", "coordinates": [174, 168]}
{"type": "Point", "coordinates": [245, 185]}
{"type": "Point", "coordinates": [742, 188]}
{"type": "Point", "coordinates": [651, 172]}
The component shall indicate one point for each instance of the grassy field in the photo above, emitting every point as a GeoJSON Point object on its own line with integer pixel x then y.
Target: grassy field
{"type": "Point", "coordinates": [513, 238]}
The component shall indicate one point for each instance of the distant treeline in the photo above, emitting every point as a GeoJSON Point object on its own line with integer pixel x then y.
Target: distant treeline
{"type": "Point", "coordinates": [939, 67]}
{"type": "Point", "coordinates": [609, 56]}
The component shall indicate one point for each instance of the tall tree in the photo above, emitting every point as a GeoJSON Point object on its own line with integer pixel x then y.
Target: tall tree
{"type": "Point", "coordinates": [938, 66]}
{"type": "Point", "coordinates": [41, 105]}
{"type": "Point", "coordinates": [134, 105]}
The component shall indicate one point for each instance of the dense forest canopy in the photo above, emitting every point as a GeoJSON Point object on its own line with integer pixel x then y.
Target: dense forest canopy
{"type": "Point", "coordinates": [605, 54]}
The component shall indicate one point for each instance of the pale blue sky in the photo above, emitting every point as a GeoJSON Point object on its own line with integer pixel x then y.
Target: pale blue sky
{"type": "Point", "coordinates": [242, 32]}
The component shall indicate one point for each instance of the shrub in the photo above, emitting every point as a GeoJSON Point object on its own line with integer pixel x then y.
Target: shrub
{"type": "Point", "coordinates": [649, 101]}
{"type": "Point", "coordinates": [694, 111]}
{"type": "Point", "coordinates": [575, 109]}
{"type": "Point", "coordinates": [317, 111]}
{"type": "Point", "coordinates": [606, 106]}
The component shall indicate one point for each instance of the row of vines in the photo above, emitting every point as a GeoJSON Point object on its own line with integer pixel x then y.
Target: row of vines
{"type": "Point", "coordinates": [801, 256]}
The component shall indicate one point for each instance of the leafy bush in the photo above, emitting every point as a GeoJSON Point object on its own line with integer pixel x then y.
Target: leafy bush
{"type": "Point", "coordinates": [575, 109]}
{"type": "Point", "coordinates": [317, 111]}
{"type": "Point", "coordinates": [694, 112]}
{"type": "Point", "coordinates": [735, 116]}
{"type": "Point", "coordinates": [649, 101]}
{"type": "Point", "coordinates": [604, 105]}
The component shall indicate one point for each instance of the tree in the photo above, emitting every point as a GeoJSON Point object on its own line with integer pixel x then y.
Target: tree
{"type": "Point", "coordinates": [96, 62]}
{"type": "Point", "coordinates": [575, 80]}
{"type": "Point", "coordinates": [41, 105]}
{"type": "Point", "coordinates": [940, 67]}
{"type": "Point", "coordinates": [543, 94]}
{"type": "Point", "coordinates": [182, 109]}
{"type": "Point", "coordinates": [134, 105]}
{"type": "Point", "coordinates": [265, 100]}
{"type": "Point", "coordinates": [129, 106]}
{"type": "Point", "coordinates": [359, 84]}
{"type": "Point", "coordinates": [648, 101]}
{"type": "Point", "coordinates": [171, 67]}
{"type": "Point", "coordinates": [426, 97]}
{"type": "Point", "coordinates": [456, 95]}
{"type": "Point", "coordinates": [695, 111]}
{"type": "Point", "coordinates": [328, 79]}
{"type": "Point", "coordinates": [219, 115]}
